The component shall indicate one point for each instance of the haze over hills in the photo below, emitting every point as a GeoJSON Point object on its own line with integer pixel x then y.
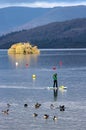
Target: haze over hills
{"type": "Point", "coordinates": [57, 14]}
{"type": "Point", "coordinates": [13, 17]}
{"type": "Point", "coordinates": [18, 18]}
{"type": "Point", "coordinates": [68, 34]}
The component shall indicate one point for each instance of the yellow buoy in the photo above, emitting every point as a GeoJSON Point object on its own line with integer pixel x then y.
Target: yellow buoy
{"type": "Point", "coordinates": [62, 87]}
{"type": "Point", "coordinates": [34, 76]}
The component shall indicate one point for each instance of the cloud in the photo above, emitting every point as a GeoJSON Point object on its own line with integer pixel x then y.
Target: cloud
{"type": "Point", "coordinates": [42, 4]}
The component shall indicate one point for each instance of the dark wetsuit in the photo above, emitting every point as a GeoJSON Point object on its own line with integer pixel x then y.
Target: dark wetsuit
{"type": "Point", "coordinates": [55, 80]}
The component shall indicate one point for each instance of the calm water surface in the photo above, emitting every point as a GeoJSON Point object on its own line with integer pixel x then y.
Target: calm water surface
{"type": "Point", "coordinates": [17, 87]}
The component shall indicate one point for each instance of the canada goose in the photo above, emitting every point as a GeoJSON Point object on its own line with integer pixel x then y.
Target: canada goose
{"type": "Point", "coordinates": [62, 108]}
{"type": "Point", "coordinates": [8, 105]}
{"type": "Point", "coordinates": [46, 116]}
{"type": "Point", "coordinates": [5, 111]}
{"type": "Point", "coordinates": [37, 105]}
{"type": "Point", "coordinates": [25, 105]}
{"type": "Point", "coordinates": [54, 118]}
{"type": "Point", "coordinates": [35, 114]}
{"type": "Point", "coordinates": [51, 106]}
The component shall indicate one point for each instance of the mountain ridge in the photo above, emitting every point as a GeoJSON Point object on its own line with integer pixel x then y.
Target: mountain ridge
{"type": "Point", "coordinates": [21, 18]}
{"type": "Point", "coordinates": [58, 14]}
{"type": "Point", "coordinates": [68, 34]}
{"type": "Point", "coordinates": [13, 17]}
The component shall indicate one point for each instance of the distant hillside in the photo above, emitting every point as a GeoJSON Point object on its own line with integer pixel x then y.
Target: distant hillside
{"type": "Point", "coordinates": [13, 17]}
{"type": "Point", "coordinates": [18, 18]}
{"type": "Point", "coordinates": [68, 34]}
{"type": "Point", "coordinates": [57, 14]}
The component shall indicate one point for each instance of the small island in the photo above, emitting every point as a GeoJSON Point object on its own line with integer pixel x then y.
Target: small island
{"type": "Point", "coordinates": [23, 48]}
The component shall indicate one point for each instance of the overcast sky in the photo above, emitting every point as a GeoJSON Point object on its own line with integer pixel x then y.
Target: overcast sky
{"type": "Point", "coordinates": [41, 3]}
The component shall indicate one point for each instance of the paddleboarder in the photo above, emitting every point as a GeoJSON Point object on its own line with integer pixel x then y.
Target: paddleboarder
{"type": "Point", "coordinates": [55, 83]}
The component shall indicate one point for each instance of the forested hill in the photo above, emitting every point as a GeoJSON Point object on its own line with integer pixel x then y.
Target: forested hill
{"type": "Point", "coordinates": [68, 34]}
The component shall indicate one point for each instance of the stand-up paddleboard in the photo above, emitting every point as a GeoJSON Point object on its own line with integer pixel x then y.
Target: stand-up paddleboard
{"type": "Point", "coordinates": [52, 88]}
{"type": "Point", "coordinates": [55, 88]}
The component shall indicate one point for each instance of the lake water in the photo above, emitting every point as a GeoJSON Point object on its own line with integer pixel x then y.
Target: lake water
{"type": "Point", "coordinates": [17, 87]}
